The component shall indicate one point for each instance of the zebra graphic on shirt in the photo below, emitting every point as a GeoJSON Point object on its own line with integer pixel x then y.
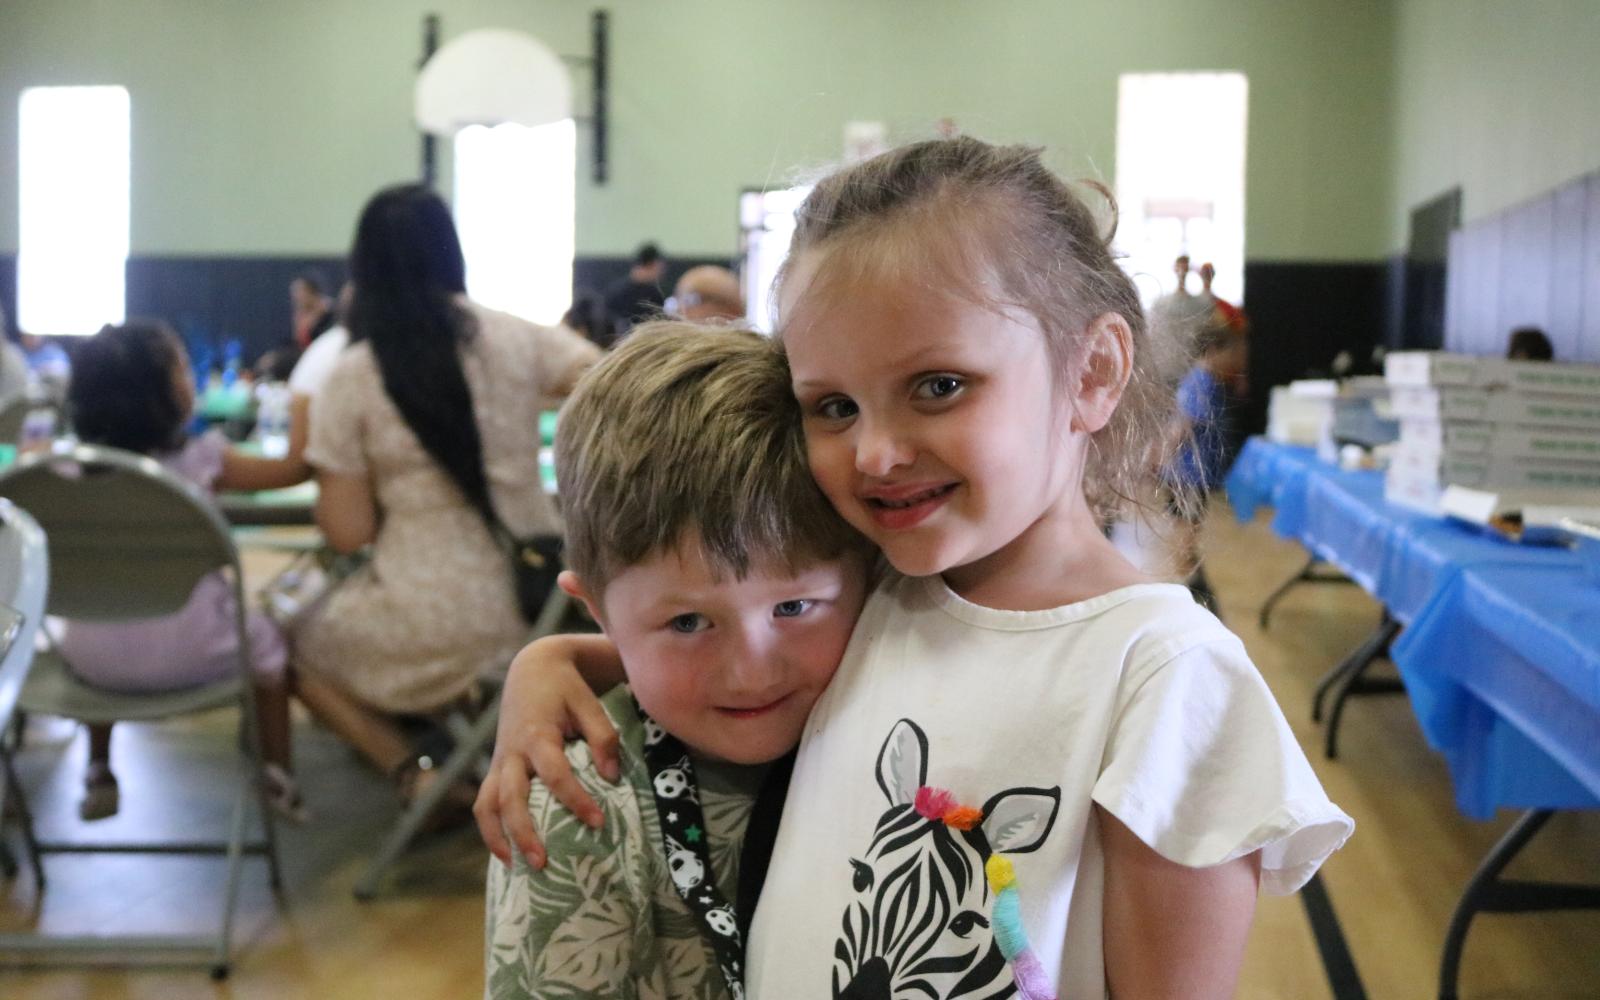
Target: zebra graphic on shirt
{"type": "Point", "coordinates": [919, 924]}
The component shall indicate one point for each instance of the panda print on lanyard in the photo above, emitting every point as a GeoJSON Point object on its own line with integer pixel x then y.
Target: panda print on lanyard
{"type": "Point", "coordinates": [683, 841]}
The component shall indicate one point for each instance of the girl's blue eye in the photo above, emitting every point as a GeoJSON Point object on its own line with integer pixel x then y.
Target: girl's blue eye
{"type": "Point", "coordinates": [939, 387]}
{"type": "Point", "coordinates": [791, 609]}
{"type": "Point", "coordinates": [687, 623]}
{"type": "Point", "coordinates": [837, 408]}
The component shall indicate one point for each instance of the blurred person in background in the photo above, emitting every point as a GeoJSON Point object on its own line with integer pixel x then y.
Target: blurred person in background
{"type": "Point", "coordinates": [1529, 343]}
{"type": "Point", "coordinates": [587, 317]}
{"type": "Point", "coordinates": [1179, 315]}
{"type": "Point", "coordinates": [707, 293]}
{"type": "Point", "coordinates": [312, 313]}
{"type": "Point", "coordinates": [425, 434]}
{"type": "Point", "coordinates": [133, 390]}
{"type": "Point", "coordinates": [1230, 312]}
{"type": "Point", "coordinates": [1202, 456]}
{"type": "Point", "coordinates": [311, 307]}
{"type": "Point", "coordinates": [637, 297]}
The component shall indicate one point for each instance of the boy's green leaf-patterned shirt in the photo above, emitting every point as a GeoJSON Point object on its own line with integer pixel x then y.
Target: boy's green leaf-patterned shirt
{"type": "Point", "coordinates": [602, 919]}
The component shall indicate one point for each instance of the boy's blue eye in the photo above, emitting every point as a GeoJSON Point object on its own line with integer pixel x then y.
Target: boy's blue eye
{"type": "Point", "coordinates": [837, 408]}
{"type": "Point", "coordinates": [791, 609]}
{"type": "Point", "coordinates": [687, 623]}
{"type": "Point", "coordinates": [939, 387]}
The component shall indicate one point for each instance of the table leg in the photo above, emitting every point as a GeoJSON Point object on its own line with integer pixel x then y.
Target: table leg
{"type": "Point", "coordinates": [1305, 575]}
{"type": "Point", "coordinates": [1343, 979]}
{"type": "Point", "coordinates": [1374, 645]}
{"type": "Point", "coordinates": [1346, 680]}
{"type": "Point", "coordinates": [1486, 892]}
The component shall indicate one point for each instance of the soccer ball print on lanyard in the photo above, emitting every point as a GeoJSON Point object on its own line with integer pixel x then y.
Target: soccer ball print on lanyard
{"type": "Point", "coordinates": [683, 842]}
{"type": "Point", "coordinates": [936, 910]}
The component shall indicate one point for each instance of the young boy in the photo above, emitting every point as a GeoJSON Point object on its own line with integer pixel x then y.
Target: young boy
{"type": "Point", "coordinates": [700, 543]}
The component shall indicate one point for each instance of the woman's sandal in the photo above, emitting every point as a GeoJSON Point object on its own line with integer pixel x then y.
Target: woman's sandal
{"type": "Point", "coordinates": [101, 796]}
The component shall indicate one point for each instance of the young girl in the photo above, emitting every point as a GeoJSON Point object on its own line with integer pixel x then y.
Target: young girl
{"type": "Point", "coordinates": [132, 389]}
{"type": "Point", "coordinates": [1036, 768]}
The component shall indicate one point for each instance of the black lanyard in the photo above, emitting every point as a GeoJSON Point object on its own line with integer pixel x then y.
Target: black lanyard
{"type": "Point", "coordinates": [760, 834]}
{"type": "Point", "coordinates": [684, 841]}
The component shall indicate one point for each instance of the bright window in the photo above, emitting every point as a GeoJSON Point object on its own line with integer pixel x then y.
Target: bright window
{"type": "Point", "coordinates": [766, 223]}
{"type": "Point", "coordinates": [1180, 178]}
{"type": "Point", "coordinates": [72, 251]}
{"type": "Point", "coordinates": [514, 208]}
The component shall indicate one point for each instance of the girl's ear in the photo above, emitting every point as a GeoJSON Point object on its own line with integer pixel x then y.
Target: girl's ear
{"type": "Point", "coordinates": [568, 581]}
{"type": "Point", "coordinates": [1106, 366]}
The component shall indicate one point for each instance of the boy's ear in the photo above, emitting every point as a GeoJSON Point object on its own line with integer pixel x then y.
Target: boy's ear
{"type": "Point", "coordinates": [1103, 373]}
{"type": "Point", "coordinates": [568, 581]}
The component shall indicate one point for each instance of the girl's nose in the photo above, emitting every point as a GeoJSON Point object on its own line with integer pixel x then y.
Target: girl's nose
{"type": "Point", "coordinates": [880, 449]}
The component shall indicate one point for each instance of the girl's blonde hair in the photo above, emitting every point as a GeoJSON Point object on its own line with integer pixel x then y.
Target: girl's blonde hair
{"type": "Point", "coordinates": [981, 214]}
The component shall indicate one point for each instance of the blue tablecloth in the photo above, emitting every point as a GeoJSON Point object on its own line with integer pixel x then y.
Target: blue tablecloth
{"type": "Point", "coordinates": [1399, 555]}
{"type": "Point", "coordinates": [1348, 523]}
{"type": "Point", "coordinates": [1502, 653]}
{"type": "Point", "coordinates": [1269, 474]}
{"type": "Point", "coordinates": [1427, 552]}
{"type": "Point", "coordinates": [1503, 669]}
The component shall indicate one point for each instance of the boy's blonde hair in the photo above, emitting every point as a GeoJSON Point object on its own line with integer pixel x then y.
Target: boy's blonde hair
{"type": "Point", "coordinates": [686, 429]}
{"type": "Point", "coordinates": [993, 223]}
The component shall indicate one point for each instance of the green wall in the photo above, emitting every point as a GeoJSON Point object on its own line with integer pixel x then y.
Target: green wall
{"type": "Point", "coordinates": [1498, 97]}
{"type": "Point", "coordinates": [261, 125]}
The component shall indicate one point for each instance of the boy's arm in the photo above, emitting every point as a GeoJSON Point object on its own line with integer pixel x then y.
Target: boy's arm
{"type": "Point", "coordinates": [1172, 931]}
{"type": "Point", "coordinates": [549, 698]}
{"type": "Point", "coordinates": [577, 927]}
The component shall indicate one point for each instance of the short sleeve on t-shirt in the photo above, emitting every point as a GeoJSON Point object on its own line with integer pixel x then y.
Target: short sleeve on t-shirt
{"type": "Point", "coordinates": [336, 418]}
{"type": "Point", "coordinates": [1202, 767]}
{"type": "Point", "coordinates": [199, 460]}
{"type": "Point", "coordinates": [563, 355]}
{"type": "Point", "coordinates": [316, 364]}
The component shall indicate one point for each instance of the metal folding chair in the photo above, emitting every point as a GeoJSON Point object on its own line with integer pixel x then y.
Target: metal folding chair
{"type": "Point", "coordinates": [128, 540]}
{"type": "Point", "coordinates": [24, 582]}
{"type": "Point", "coordinates": [474, 740]}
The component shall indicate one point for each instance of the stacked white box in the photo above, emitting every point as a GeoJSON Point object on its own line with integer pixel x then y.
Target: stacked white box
{"type": "Point", "coordinates": [1492, 424]}
{"type": "Point", "coordinates": [1300, 412]}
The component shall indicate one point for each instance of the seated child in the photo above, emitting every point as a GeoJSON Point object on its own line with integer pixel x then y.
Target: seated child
{"type": "Point", "coordinates": [132, 389]}
{"type": "Point", "coordinates": [729, 587]}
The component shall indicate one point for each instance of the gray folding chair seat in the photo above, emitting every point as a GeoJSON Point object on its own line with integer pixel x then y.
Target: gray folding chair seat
{"type": "Point", "coordinates": [128, 540]}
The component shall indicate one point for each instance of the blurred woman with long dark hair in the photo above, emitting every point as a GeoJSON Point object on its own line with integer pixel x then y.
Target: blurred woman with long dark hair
{"type": "Point", "coordinates": [426, 430]}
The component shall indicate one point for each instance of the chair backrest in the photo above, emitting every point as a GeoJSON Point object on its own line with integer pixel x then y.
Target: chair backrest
{"type": "Point", "coordinates": [24, 582]}
{"type": "Point", "coordinates": [127, 538]}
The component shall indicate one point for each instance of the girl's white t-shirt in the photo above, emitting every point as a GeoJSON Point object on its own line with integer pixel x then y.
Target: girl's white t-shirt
{"type": "Point", "coordinates": [1139, 700]}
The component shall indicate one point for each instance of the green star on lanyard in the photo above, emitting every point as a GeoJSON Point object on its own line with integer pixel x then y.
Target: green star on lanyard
{"type": "Point", "coordinates": [692, 834]}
